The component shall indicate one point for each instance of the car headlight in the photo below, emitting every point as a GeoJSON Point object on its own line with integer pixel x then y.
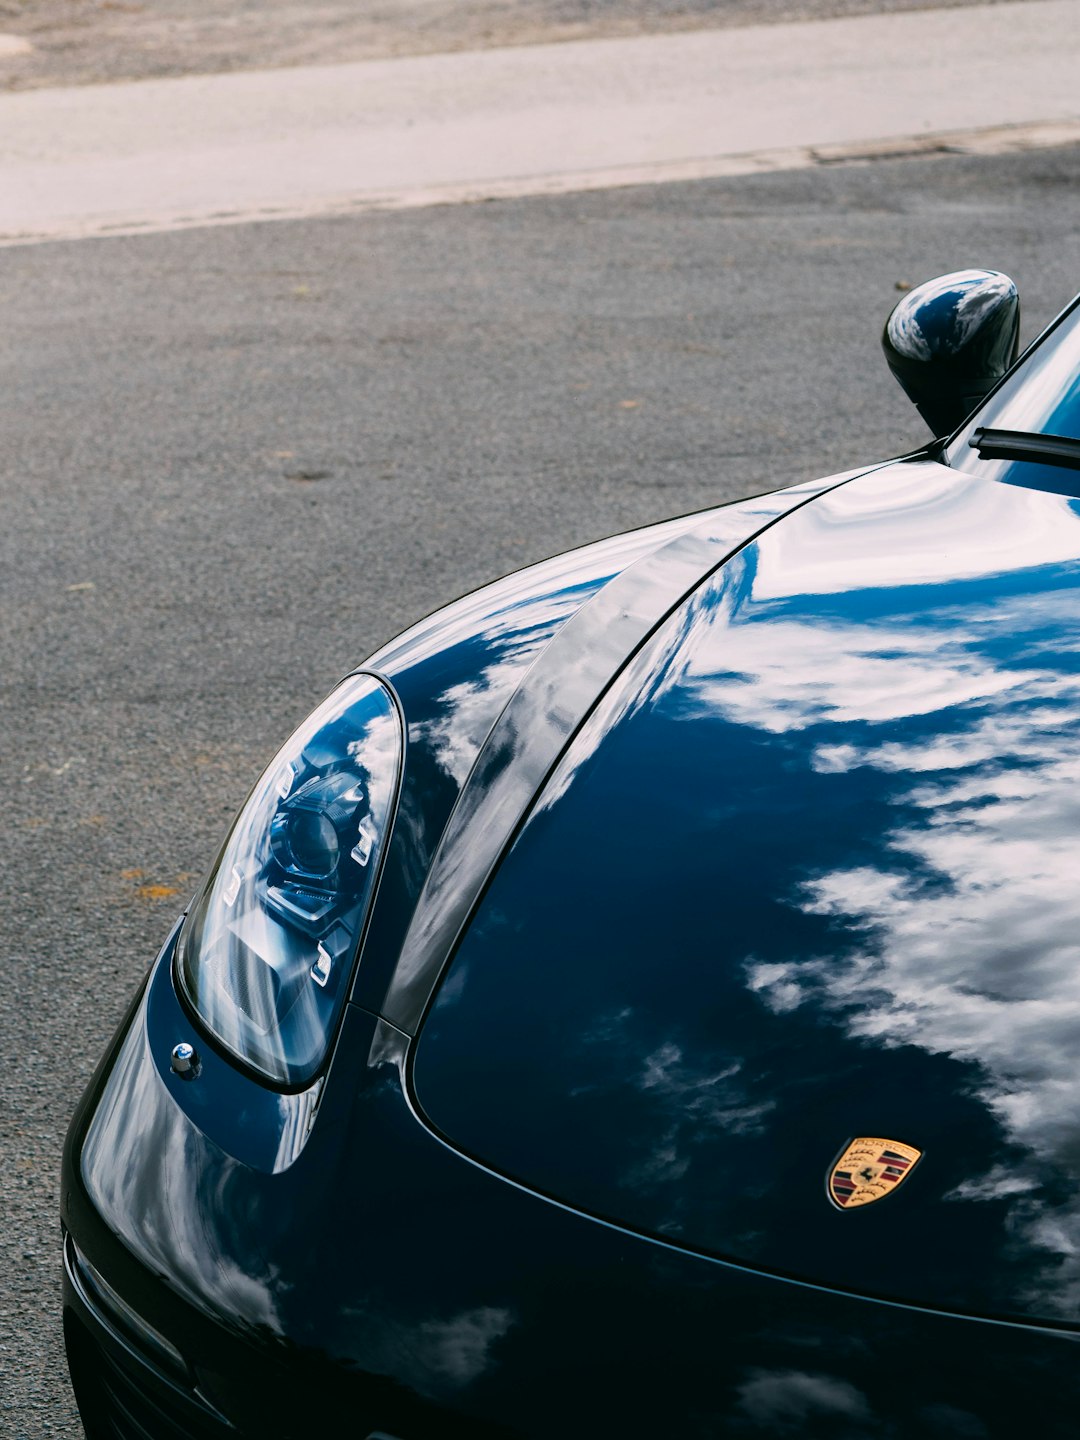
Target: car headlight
{"type": "Point", "coordinates": [266, 953]}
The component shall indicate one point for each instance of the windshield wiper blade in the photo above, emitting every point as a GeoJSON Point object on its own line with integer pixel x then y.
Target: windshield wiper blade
{"type": "Point", "coordinates": [1024, 445]}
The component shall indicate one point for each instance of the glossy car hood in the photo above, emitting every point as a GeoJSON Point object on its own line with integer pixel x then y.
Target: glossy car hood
{"type": "Point", "coordinates": [809, 873]}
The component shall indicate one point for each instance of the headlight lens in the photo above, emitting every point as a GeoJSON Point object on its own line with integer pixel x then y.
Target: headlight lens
{"type": "Point", "coordinates": [266, 953]}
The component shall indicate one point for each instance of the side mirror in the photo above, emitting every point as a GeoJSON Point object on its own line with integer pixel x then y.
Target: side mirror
{"type": "Point", "coordinates": [951, 340]}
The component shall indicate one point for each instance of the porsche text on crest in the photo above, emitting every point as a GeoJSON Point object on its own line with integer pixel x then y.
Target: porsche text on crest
{"type": "Point", "coordinates": [868, 1170]}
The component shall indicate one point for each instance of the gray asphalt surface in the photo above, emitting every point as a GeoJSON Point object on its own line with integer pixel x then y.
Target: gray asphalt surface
{"type": "Point", "coordinates": [83, 41]}
{"type": "Point", "coordinates": [233, 461]}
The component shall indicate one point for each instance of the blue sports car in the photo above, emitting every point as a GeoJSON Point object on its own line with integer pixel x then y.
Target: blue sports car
{"type": "Point", "coordinates": [644, 998]}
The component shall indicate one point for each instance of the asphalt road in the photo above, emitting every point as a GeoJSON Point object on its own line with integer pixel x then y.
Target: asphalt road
{"type": "Point", "coordinates": [233, 461]}
{"type": "Point", "coordinates": [82, 41]}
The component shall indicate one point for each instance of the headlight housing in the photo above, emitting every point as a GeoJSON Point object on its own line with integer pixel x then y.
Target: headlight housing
{"type": "Point", "coordinates": [266, 953]}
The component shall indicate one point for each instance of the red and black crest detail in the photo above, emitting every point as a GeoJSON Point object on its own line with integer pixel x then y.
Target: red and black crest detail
{"type": "Point", "coordinates": [867, 1169]}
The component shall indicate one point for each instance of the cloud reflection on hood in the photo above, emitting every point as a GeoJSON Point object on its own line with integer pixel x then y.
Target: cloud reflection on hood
{"type": "Point", "coordinates": [140, 1148]}
{"type": "Point", "coordinates": [804, 870]}
{"type": "Point", "coordinates": [962, 929]}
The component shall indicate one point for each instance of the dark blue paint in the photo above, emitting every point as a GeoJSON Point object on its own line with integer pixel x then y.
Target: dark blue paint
{"type": "Point", "coordinates": [423, 1297]}
{"type": "Point", "coordinates": [453, 674]}
{"type": "Point", "coordinates": [541, 717]}
{"type": "Point", "coordinates": [775, 896]}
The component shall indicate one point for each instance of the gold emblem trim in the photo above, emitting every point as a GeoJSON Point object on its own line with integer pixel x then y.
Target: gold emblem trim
{"type": "Point", "coordinates": [868, 1169]}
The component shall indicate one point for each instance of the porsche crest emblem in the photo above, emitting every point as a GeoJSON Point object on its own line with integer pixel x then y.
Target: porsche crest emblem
{"type": "Point", "coordinates": [869, 1169]}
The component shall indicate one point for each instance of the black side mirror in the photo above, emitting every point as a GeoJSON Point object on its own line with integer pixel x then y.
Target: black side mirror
{"type": "Point", "coordinates": [950, 341]}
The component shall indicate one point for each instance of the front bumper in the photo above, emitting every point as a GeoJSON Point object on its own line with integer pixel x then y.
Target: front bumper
{"type": "Point", "coordinates": [380, 1283]}
{"type": "Point", "coordinates": [128, 1386]}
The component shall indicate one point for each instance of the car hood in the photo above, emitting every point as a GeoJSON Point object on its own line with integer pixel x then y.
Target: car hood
{"type": "Point", "coordinates": [807, 874]}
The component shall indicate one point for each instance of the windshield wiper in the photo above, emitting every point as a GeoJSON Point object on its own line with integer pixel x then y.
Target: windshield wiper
{"type": "Point", "coordinates": [1024, 445]}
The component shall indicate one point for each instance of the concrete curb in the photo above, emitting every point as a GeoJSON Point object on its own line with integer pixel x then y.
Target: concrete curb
{"type": "Point", "coordinates": [552, 119]}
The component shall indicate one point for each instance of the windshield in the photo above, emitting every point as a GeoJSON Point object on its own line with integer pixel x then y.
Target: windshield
{"type": "Point", "coordinates": [1042, 396]}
